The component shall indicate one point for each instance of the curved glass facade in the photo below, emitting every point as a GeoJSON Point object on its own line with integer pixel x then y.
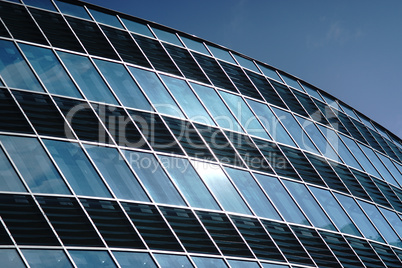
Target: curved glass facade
{"type": "Point", "coordinates": [124, 143]}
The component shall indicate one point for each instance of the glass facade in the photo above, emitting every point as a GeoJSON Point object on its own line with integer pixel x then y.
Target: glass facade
{"type": "Point", "coordinates": [124, 143]}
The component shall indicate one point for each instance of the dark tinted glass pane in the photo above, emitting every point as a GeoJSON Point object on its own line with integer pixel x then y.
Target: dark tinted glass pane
{"type": "Point", "coordinates": [43, 114]}
{"type": "Point", "coordinates": [310, 107]}
{"type": "Point", "coordinates": [249, 152]}
{"type": "Point", "coordinates": [112, 223]}
{"type": "Point", "coordinates": [83, 120]}
{"type": "Point", "coordinates": [387, 255]}
{"type": "Point", "coordinates": [120, 126]}
{"type": "Point", "coordinates": [56, 30]}
{"type": "Point", "coordinates": [20, 23]}
{"type": "Point", "coordinates": [289, 98]}
{"type": "Point", "coordinates": [240, 80]}
{"type": "Point", "coordinates": [347, 122]}
{"type": "Point", "coordinates": [367, 135]}
{"type": "Point", "coordinates": [224, 234]}
{"type": "Point", "coordinates": [69, 221]}
{"type": "Point", "coordinates": [189, 230]}
{"type": "Point", "coordinates": [125, 46]}
{"type": "Point", "coordinates": [365, 252]}
{"type": "Point", "coordinates": [11, 117]}
{"type": "Point", "coordinates": [331, 116]}
{"type": "Point", "coordinates": [276, 158]}
{"type": "Point", "coordinates": [152, 227]}
{"type": "Point", "coordinates": [156, 54]}
{"type": "Point", "coordinates": [316, 247]}
{"type": "Point", "coordinates": [188, 137]}
{"type": "Point", "coordinates": [45, 4]}
{"type": "Point", "coordinates": [4, 237]}
{"type": "Point", "coordinates": [92, 38]}
{"type": "Point", "coordinates": [257, 238]}
{"type": "Point", "coordinates": [287, 242]}
{"type": "Point", "coordinates": [3, 31]}
{"type": "Point", "coordinates": [25, 221]}
{"type": "Point", "coordinates": [156, 132]}
{"type": "Point", "coordinates": [214, 72]}
{"type": "Point", "coordinates": [389, 194]}
{"type": "Point", "coordinates": [186, 63]}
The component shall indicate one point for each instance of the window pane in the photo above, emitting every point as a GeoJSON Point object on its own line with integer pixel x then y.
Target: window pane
{"type": "Point", "coordinates": [335, 212]}
{"type": "Point", "coordinates": [242, 264]}
{"type": "Point", "coordinates": [172, 260]}
{"type": "Point", "coordinates": [10, 258]}
{"type": "Point", "coordinates": [116, 172]}
{"type": "Point", "coordinates": [123, 85]}
{"type": "Point", "coordinates": [45, 4]}
{"type": "Point", "coordinates": [87, 78]}
{"type": "Point", "coordinates": [137, 27]}
{"type": "Point", "coordinates": [106, 18]}
{"type": "Point", "coordinates": [393, 219]}
{"type": "Point", "coordinates": [42, 258]}
{"type": "Point", "coordinates": [221, 54]}
{"type": "Point", "coordinates": [216, 107]}
{"type": "Point", "coordinates": [76, 168]}
{"type": "Point", "coordinates": [9, 179]}
{"type": "Point", "coordinates": [219, 184]}
{"type": "Point", "coordinates": [281, 199]}
{"type": "Point", "coordinates": [203, 262]}
{"type": "Point", "coordinates": [167, 36]}
{"type": "Point", "coordinates": [189, 183]}
{"type": "Point", "coordinates": [253, 193]}
{"type": "Point", "coordinates": [70, 9]}
{"type": "Point", "coordinates": [156, 92]}
{"type": "Point", "coordinates": [134, 259]}
{"type": "Point", "coordinates": [188, 101]}
{"type": "Point", "coordinates": [50, 71]}
{"type": "Point", "coordinates": [91, 259]}
{"type": "Point", "coordinates": [195, 45]}
{"type": "Point", "coordinates": [14, 70]}
{"type": "Point", "coordinates": [246, 63]}
{"type": "Point", "coordinates": [154, 178]}
{"type": "Point", "coordinates": [34, 165]}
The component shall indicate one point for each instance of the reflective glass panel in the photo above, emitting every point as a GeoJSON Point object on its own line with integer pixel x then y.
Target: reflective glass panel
{"type": "Point", "coordinates": [87, 78]}
{"type": "Point", "coordinates": [221, 54]}
{"type": "Point", "coordinates": [216, 107]}
{"type": "Point", "coordinates": [291, 81]}
{"type": "Point", "coordinates": [165, 260]}
{"type": "Point", "coordinates": [137, 27]}
{"type": "Point", "coordinates": [9, 180]}
{"type": "Point", "coordinates": [106, 18]}
{"type": "Point", "coordinates": [189, 183]}
{"type": "Point", "coordinates": [271, 265]}
{"type": "Point", "coordinates": [74, 10]}
{"type": "Point", "coordinates": [154, 178]}
{"type": "Point", "coordinates": [92, 259]}
{"type": "Point", "coordinates": [116, 172]}
{"type": "Point", "coordinates": [246, 63]}
{"type": "Point", "coordinates": [10, 259]}
{"type": "Point", "coordinates": [195, 45]}
{"type": "Point", "coordinates": [76, 168]}
{"type": "Point", "coordinates": [269, 72]}
{"type": "Point", "coordinates": [312, 92]}
{"type": "Point", "coordinates": [309, 205]}
{"type": "Point", "coordinates": [14, 70]}
{"type": "Point", "coordinates": [203, 262]}
{"type": "Point", "coordinates": [134, 259]}
{"type": "Point", "coordinates": [244, 114]}
{"type": "Point", "coordinates": [167, 36]}
{"type": "Point", "coordinates": [34, 165]}
{"type": "Point", "coordinates": [123, 85]}
{"type": "Point", "coordinates": [335, 211]}
{"type": "Point", "coordinates": [45, 4]}
{"type": "Point", "coordinates": [188, 101]}
{"type": "Point", "coordinates": [50, 71]}
{"type": "Point", "coordinates": [393, 220]}
{"type": "Point", "coordinates": [42, 258]}
{"type": "Point", "coordinates": [242, 264]}
{"type": "Point", "coordinates": [281, 199]}
{"type": "Point", "coordinates": [156, 92]}
{"type": "Point", "coordinates": [220, 185]}
{"type": "Point", "coordinates": [391, 168]}
{"type": "Point", "coordinates": [253, 193]}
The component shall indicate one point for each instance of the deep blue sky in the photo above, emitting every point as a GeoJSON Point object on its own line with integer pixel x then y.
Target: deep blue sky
{"type": "Point", "coordinates": [351, 49]}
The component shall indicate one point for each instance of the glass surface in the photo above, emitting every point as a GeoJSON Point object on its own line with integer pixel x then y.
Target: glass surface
{"type": "Point", "coordinates": [290, 123]}
{"type": "Point", "coordinates": [134, 259]}
{"type": "Point", "coordinates": [246, 63]}
{"type": "Point", "coordinates": [391, 168]}
{"type": "Point", "coordinates": [309, 205]}
{"type": "Point", "coordinates": [50, 71]}
{"type": "Point", "coordinates": [116, 172]}
{"type": "Point", "coordinates": [271, 123]}
{"type": "Point", "coordinates": [87, 78]}
{"type": "Point", "coordinates": [241, 264]}
{"type": "Point", "coordinates": [335, 211]}
{"type": "Point", "coordinates": [165, 260]}
{"type": "Point", "coordinates": [137, 27]}
{"type": "Point", "coordinates": [92, 259]}
{"type": "Point", "coordinates": [187, 100]}
{"type": "Point", "coordinates": [281, 199]}
{"type": "Point", "coordinates": [244, 114]}
{"type": "Point", "coordinates": [76, 168]}
{"type": "Point", "coordinates": [106, 18]}
{"type": "Point", "coordinates": [216, 107]}
{"type": "Point", "coordinates": [9, 179]}
{"type": "Point", "coordinates": [45, 4]}
{"type": "Point", "coordinates": [393, 220]}
{"type": "Point", "coordinates": [312, 92]}
{"type": "Point", "coordinates": [269, 72]}
{"type": "Point", "coordinates": [188, 181]}
{"type": "Point", "coordinates": [331, 101]}
{"type": "Point", "coordinates": [195, 45]}
{"type": "Point", "coordinates": [220, 185]}
{"type": "Point", "coordinates": [10, 259]}
{"type": "Point", "coordinates": [153, 177]}
{"type": "Point", "coordinates": [350, 112]}
{"type": "Point", "coordinates": [14, 70]}
{"type": "Point", "coordinates": [43, 258]}
{"type": "Point", "coordinates": [291, 81]}
{"type": "Point", "coordinates": [34, 165]}
{"type": "Point", "coordinates": [123, 85]}
{"type": "Point", "coordinates": [203, 262]}
{"type": "Point", "coordinates": [74, 10]}
{"type": "Point", "coordinates": [156, 92]}
{"type": "Point", "coordinates": [359, 218]}
{"type": "Point", "coordinates": [253, 193]}
{"type": "Point", "coordinates": [167, 36]}
{"type": "Point", "coordinates": [221, 54]}
{"type": "Point", "coordinates": [271, 265]}
{"type": "Point", "coordinates": [382, 225]}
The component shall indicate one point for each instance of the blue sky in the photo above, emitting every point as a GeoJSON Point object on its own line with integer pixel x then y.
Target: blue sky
{"type": "Point", "coordinates": [351, 49]}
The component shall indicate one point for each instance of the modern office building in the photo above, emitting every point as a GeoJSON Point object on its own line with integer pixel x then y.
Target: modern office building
{"type": "Point", "coordinates": [124, 143]}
